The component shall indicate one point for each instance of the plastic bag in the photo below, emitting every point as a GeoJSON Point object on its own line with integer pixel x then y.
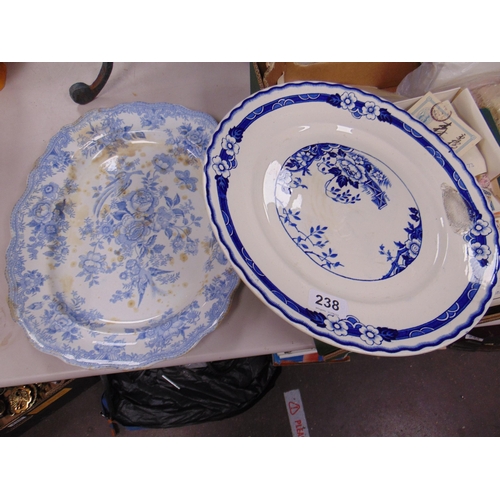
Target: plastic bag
{"type": "Point", "coordinates": [438, 76]}
{"type": "Point", "coordinates": [214, 391]}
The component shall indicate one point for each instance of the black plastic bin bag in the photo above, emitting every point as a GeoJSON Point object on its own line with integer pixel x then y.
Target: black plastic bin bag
{"type": "Point", "coordinates": [185, 395]}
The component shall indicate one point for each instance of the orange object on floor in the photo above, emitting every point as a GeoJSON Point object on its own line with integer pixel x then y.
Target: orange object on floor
{"type": "Point", "coordinates": [3, 75]}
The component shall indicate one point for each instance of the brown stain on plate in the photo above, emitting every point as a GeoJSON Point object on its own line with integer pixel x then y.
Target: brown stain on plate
{"type": "Point", "coordinates": [207, 247]}
{"type": "Point", "coordinates": [12, 309]}
{"type": "Point", "coordinates": [72, 172]}
{"type": "Point", "coordinates": [67, 284]}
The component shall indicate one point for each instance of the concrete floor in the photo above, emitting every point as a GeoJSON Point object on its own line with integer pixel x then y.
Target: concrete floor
{"type": "Point", "coordinates": [443, 393]}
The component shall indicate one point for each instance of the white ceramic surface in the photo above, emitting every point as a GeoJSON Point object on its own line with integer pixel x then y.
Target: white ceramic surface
{"type": "Point", "coordinates": [350, 219]}
{"type": "Point", "coordinates": [113, 262]}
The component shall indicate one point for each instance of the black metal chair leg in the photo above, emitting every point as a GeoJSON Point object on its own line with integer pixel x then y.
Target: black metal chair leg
{"type": "Point", "coordinates": [82, 93]}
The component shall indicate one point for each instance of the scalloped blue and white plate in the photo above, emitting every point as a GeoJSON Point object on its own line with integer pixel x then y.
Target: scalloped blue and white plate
{"type": "Point", "coordinates": [113, 262]}
{"type": "Point", "coordinates": [350, 219]}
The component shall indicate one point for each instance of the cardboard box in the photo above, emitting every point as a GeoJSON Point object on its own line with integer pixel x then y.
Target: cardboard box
{"type": "Point", "coordinates": [380, 75]}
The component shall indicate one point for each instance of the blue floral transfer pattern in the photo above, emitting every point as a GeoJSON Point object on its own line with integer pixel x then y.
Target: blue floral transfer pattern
{"type": "Point", "coordinates": [113, 261]}
{"type": "Point", "coordinates": [406, 251]}
{"type": "Point", "coordinates": [349, 176]}
{"type": "Point", "coordinates": [348, 173]}
{"type": "Point", "coordinates": [478, 243]}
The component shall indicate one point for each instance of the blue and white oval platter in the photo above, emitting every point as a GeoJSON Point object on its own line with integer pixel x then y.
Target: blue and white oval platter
{"type": "Point", "coordinates": [351, 219]}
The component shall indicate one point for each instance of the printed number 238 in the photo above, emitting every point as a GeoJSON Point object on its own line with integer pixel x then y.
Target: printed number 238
{"type": "Point", "coordinates": [327, 302]}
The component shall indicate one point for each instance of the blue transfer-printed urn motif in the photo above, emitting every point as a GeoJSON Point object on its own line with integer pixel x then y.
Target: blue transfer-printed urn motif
{"type": "Point", "coordinates": [346, 177]}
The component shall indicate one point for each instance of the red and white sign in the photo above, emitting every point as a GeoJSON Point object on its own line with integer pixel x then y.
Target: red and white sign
{"type": "Point", "coordinates": [296, 414]}
{"type": "Point", "coordinates": [293, 407]}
